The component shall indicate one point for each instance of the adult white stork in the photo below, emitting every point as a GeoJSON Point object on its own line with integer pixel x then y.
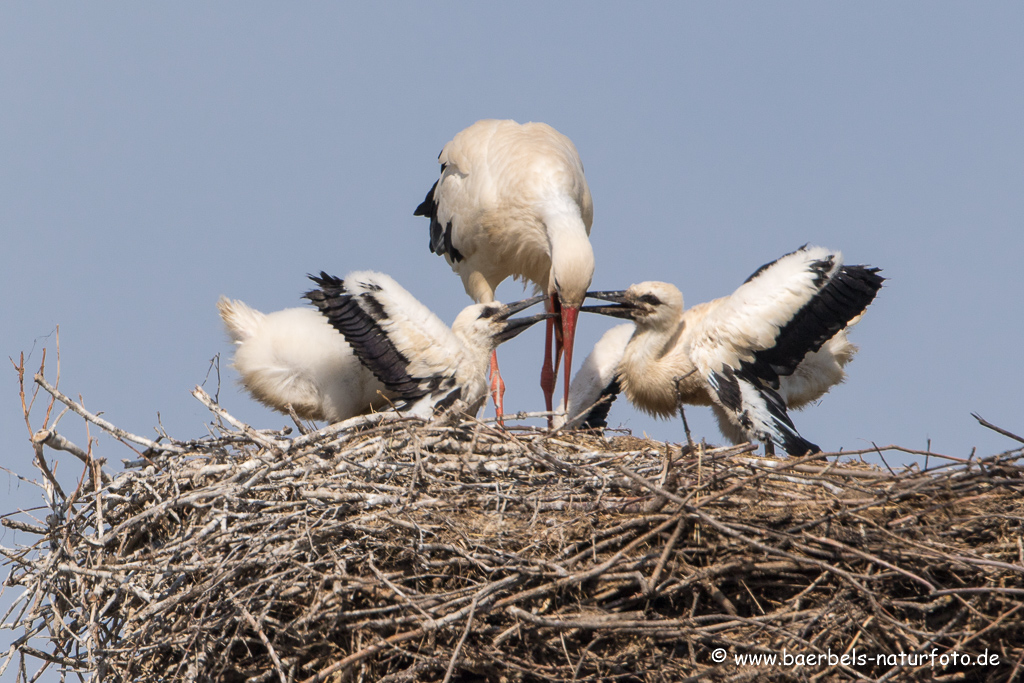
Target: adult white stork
{"type": "Point", "coordinates": [777, 342]}
{"type": "Point", "coordinates": [295, 358]}
{"type": "Point", "coordinates": [424, 365]}
{"type": "Point", "coordinates": [512, 201]}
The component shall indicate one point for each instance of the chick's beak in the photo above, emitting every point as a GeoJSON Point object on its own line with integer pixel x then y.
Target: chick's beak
{"type": "Point", "coordinates": [623, 309]}
{"type": "Point", "coordinates": [515, 326]}
{"type": "Point", "coordinates": [617, 296]}
{"type": "Point", "coordinates": [516, 306]}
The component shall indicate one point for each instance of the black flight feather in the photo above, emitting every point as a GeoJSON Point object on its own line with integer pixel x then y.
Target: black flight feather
{"type": "Point", "coordinates": [597, 418]}
{"type": "Point", "coordinates": [363, 332]}
{"type": "Point", "coordinates": [839, 300]}
{"type": "Point", "coordinates": [440, 235]}
{"type": "Point", "coordinates": [845, 296]}
{"type": "Point", "coordinates": [727, 386]}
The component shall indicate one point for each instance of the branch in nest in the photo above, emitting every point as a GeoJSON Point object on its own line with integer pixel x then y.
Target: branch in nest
{"type": "Point", "coordinates": [540, 555]}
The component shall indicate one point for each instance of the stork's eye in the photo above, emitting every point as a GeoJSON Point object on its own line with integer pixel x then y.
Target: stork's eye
{"type": "Point", "coordinates": [489, 312]}
{"type": "Point", "coordinates": [650, 299]}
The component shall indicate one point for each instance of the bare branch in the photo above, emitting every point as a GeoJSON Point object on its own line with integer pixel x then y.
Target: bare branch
{"type": "Point", "coordinates": [393, 549]}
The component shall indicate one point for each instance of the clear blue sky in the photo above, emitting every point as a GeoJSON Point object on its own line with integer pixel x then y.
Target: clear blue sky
{"type": "Point", "coordinates": [156, 156]}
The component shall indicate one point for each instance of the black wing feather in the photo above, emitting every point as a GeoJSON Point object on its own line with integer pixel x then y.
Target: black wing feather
{"type": "Point", "coordinates": [597, 418]}
{"type": "Point", "coordinates": [727, 385]}
{"type": "Point", "coordinates": [440, 235]}
{"type": "Point", "coordinates": [842, 299]}
{"type": "Point", "coordinates": [428, 209]}
{"type": "Point", "coordinates": [363, 332]}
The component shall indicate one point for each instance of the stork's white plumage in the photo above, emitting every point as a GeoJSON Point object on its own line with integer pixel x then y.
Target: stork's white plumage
{"type": "Point", "coordinates": [424, 365]}
{"type": "Point", "coordinates": [778, 341]}
{"type": "Point", "coordinates": [512, 201]}
{"type": "Point", "coordinates": [596, 383]}
{"type": "Point", "coordinates": [295, 358]}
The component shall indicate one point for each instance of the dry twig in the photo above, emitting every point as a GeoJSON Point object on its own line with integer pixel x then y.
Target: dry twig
{"type": "Point", "coordinates": [404, 551]}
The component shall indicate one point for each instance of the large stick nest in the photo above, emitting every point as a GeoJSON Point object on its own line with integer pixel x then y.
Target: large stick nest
{"type": "Point", "coordinates": [402, 551]}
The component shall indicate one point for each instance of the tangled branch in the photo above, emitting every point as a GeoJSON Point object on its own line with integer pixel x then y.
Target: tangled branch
{"type": "Point", "coordinates": [404, 551]}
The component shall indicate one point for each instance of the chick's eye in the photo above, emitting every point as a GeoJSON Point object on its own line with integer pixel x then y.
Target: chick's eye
{"type": "Point", "coordinates": [650, 299]}
{"type": "Point", "coordinates": [489, 312]}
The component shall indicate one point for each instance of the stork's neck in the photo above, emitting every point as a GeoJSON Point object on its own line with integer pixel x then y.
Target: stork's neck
{"type": "Point", "coordinates": [572, 256]}
{"type": "Point", "coordinates": [650, 344]}
{"type": "Point", "coordinates": [475, 352]}
{"type": "Point", "coordinates": [655, 374]}
{"type": "Point", "coordinates": [471, 361]}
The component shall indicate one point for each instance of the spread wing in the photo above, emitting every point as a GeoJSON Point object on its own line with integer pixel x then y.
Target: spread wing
{"type": "Point", "coordinates": [757, 409]}
{"type": "Point", "coordinates": [785, 310]}
{"type": "Point", "coordinates": [403, 343]}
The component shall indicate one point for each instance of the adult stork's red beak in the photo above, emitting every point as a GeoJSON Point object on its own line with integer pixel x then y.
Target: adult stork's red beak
{"type": "Point", "coordinates": [564, 334]}
{"type": "Point", "coordinates": [569, 316]}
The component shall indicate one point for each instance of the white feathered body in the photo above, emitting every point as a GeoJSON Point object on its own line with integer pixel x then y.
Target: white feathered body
{"type": "Point", "coordinates": [655, 361]}
{"type": "Point", "coordinates": [294, 357]}
{"type": "Point", "coordinates": [820, 371]}
{"type": "Point", "coordinates": [515, 199]}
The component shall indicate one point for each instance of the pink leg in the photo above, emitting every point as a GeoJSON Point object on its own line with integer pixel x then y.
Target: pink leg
{"type": "Point", "coordinates": [497, 389]}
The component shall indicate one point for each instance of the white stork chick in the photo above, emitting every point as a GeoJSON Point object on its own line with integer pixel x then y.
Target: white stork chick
{"type": "Point", "coordinates": [778, 341]}
{"type": "Point", "coordinates": [596, 384]}
{"type": "Point", "coordinates": [424, 365]}
{"type": "Point", "coordinates": [512, 201]}
{"type": "Point", "coordinates": [295, 358]}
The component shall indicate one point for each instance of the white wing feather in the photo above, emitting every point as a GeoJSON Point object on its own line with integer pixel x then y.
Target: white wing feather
{"type": "Point", "coordinates": [428, 344]}
{"type": "Point", "coordinates": [750, 319]}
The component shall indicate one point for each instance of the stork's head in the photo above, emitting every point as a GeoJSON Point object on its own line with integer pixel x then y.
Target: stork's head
{"type": "Point", "coordinates": [648, 304]}
{"type": "Point", "coordinates": [572, 269]}
{"type": "Point", "coordinates": [488, 325]}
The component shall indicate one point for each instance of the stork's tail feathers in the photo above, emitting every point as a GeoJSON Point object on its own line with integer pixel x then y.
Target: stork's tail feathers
{"type": "Point", "coordinates": [841, 348]}
{"type": "Point", "coordinates": [440, 235]}
{"type": "Point", "coordinates": [241, 321]}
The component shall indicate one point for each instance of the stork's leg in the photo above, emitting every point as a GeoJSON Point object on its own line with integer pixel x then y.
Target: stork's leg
{"type": "Point", "coordinates": [497, 389]}
{"type": "Point", "coordinates": [769, 447]}
{"type": "Point", "coordinates": [549, 370]}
